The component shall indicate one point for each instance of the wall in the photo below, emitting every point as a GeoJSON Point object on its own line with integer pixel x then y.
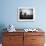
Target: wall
{"type": "Point", "coordinates": [9, 10]}
{"type": "Point", "coordinates": [8, 13]}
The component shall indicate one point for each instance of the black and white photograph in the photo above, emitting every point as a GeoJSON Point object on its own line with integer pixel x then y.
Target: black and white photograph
{"type": "Point", "coordinates": [26, 14]}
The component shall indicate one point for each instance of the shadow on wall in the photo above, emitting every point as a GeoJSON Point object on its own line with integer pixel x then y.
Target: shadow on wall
{"type": "Point", "coordinates": [2, 26]}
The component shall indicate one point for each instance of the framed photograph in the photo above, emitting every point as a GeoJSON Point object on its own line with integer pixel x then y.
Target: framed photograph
{"type": "Point", "coordinates": [26, 14]}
